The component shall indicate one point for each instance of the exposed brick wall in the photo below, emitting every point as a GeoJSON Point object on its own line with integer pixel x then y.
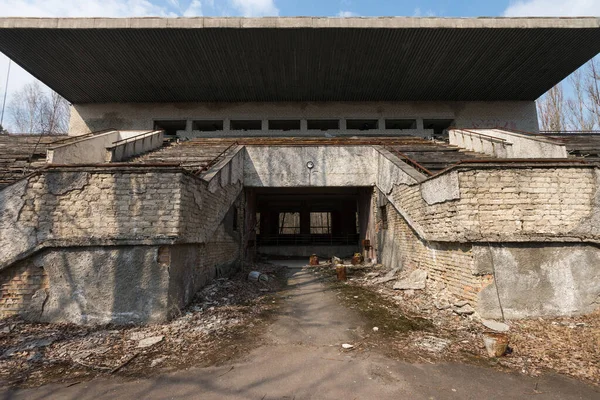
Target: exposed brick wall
{"type": "Point", "coordinates": [448, 263]}
{"type": "Point", "coordinates": [203, 209]}
{"type": "Point", "coordinates": [120, 207]}
{"type": "Point", "coordinates": [492, 205]}
{"type": "Point", "coordinates": [169, 211]}
{"type": "Point", "coordinates": [18, 285]}
{"type": "Point", "coordinates": [498, 205]}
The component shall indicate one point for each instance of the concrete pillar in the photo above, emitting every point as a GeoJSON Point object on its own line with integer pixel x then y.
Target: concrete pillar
{"type": "Point", "coordinates": [188, 125]}
{"type": "Point", "coordinates": [420, 123]}
{"type": "Point", "coordinates": [303, 125]}
{"type": "Point", "coordinates": [336, 223]}
{"type": "Point", "coordinates": [272, 222]}
{"type": "Point", "coordinates": [305, 219]}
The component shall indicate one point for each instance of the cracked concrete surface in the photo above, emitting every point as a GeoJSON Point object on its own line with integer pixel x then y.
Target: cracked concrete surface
{"type": "Point", "coordinates": [301, 358]}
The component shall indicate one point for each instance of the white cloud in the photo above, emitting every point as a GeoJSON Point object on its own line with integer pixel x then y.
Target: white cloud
{"type": "Point", "coordinates": [553, 8]}
{"type": "Point", "coordinates": [346, 14]}
{"type": "Point", "coordinates": [255, 8]}
{"type": "Point", "coordinates": [419, 13]}
{"type": "Point", "coordinates": [78, 8]}
{"type": "Point", "coordinates": [194, 9]}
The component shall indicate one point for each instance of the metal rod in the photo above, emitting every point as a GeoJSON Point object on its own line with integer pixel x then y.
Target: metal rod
{"type": "Point", "coordinates": [5, 92]}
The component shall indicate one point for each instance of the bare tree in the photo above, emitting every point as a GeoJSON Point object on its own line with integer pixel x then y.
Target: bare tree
{"type": "Point", "coordinates": [552, 110]}
{"type": "Point", "coordinates": [35, 111]}
{"type": "Point", "coordinates": [578, 115]}
{"type": "Point", "coordinates": [25, 108]}
{"type": "Point", "coordinates": [55, 114]}
{"type": "Point", "coordinates": [592, 83]}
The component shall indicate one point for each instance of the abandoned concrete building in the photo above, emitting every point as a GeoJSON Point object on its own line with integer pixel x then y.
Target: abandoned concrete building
{"type": "Point", "coordinates": [196, 144]}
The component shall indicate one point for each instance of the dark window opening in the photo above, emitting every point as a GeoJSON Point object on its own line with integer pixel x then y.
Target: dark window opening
{"type": "Point", "coordinates": [383, 217]}
{"type": "Point", "coordinates": [246, 125]}
{"type": "Point", "coordinates": [320, 223]}
{"type": "Point", "coordinates": [362, 124]}
{"type": "Point", "coordinates": [400, 124]}
{"type": "Point", "coordinates": [323, 124]}
{"type": "Point", "coordinates": [284, 125]}
{"type": "Point", "coordinates": [170, 127]}
{"type": "Point", "coordinates": [235, 218]}
{"type": "Point", "coordinates": [289, 223]}
{"type": "Point", "coordinates": [439, 126]}
{"type": "Point", "coordinates": [207, 126]}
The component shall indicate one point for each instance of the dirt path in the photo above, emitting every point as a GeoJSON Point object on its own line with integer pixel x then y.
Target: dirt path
{"type": "Point", "coordinates": [302, 358]}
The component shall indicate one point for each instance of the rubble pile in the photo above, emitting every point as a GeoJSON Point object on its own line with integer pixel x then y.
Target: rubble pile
{"type": "Point", "coordinates": [567, 345]}
{"type": "Point", "coordinates": [207, 331]}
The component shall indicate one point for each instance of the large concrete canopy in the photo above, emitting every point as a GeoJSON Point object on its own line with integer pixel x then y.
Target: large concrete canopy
{"type": "Point", "coordinates": [98, 60]}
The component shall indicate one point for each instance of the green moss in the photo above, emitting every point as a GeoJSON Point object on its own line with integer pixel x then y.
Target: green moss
{"type": "Point", "coordinates": [381, 312]}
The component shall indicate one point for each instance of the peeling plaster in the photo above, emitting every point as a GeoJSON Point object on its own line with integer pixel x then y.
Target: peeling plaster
{"type": "Point", "coordinates": [60, 183]}
{"type": "Point", "coordinates": [441, 189]}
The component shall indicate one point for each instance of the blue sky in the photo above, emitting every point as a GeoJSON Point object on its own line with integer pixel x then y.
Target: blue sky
{"type": "Point", "coordinates": [255, 8]}
{"type": "Point", "coordinates": [446, 8]}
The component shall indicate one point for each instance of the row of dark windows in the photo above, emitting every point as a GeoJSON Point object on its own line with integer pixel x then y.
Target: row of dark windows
{"type": "Point", "coordinates": [285, 125]}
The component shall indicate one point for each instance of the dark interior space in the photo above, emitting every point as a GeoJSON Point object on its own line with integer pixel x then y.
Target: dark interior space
{"type": "Point", "coordinates": [170, 126]}
{"type": "Point", "coordinates": [207, 125]}
{"type": "Point", "coordinates": [323, 124]}
{"type": "Point", "coordinates": [439, 126]}
{"type": "Point", "coordinates": [400, 124]}
{"type": "Point", "coordinates": [284, 125]}
{"type": "Point", "coordinates": [362, 124]}
{"type": "Point", "coordinates": [246, 125]}
{"type": "Point", "coordinates": [307, 216]}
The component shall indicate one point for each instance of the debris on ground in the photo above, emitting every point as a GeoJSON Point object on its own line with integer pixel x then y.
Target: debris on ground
{"type": "Point", "coordinates": [495, 325]}
{"type": "Point", "coordinates": [219, 323]}
{"type": "Point", "coordinates": [414, 281]}
{"type": "Point", "coordinates": [432, 325]}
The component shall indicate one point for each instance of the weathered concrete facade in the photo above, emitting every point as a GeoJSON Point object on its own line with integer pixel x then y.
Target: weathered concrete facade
{"type": "Point", "coordinates": [88, 240]}
{"type": "Point", "coordinates": [85, 118]}
{"type": "Point", "coordinates": [173, 230]}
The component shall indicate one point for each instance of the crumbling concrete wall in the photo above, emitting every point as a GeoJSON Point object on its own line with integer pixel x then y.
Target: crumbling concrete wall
{"type": "Point", "coordinates": [117, 284]}
{"type": "Point", "coordinates": [539, 279]}
{"type": "Point", "coordinates": [524, 225]}
{"type": "Point", "coordinates": [99, 285]}
{"type": "Point", "coordinates": [115, 245]}
{"type": "Point", "coordinates": [87, 285]}
{"type": "Point", "coordinates": [195, 265]}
